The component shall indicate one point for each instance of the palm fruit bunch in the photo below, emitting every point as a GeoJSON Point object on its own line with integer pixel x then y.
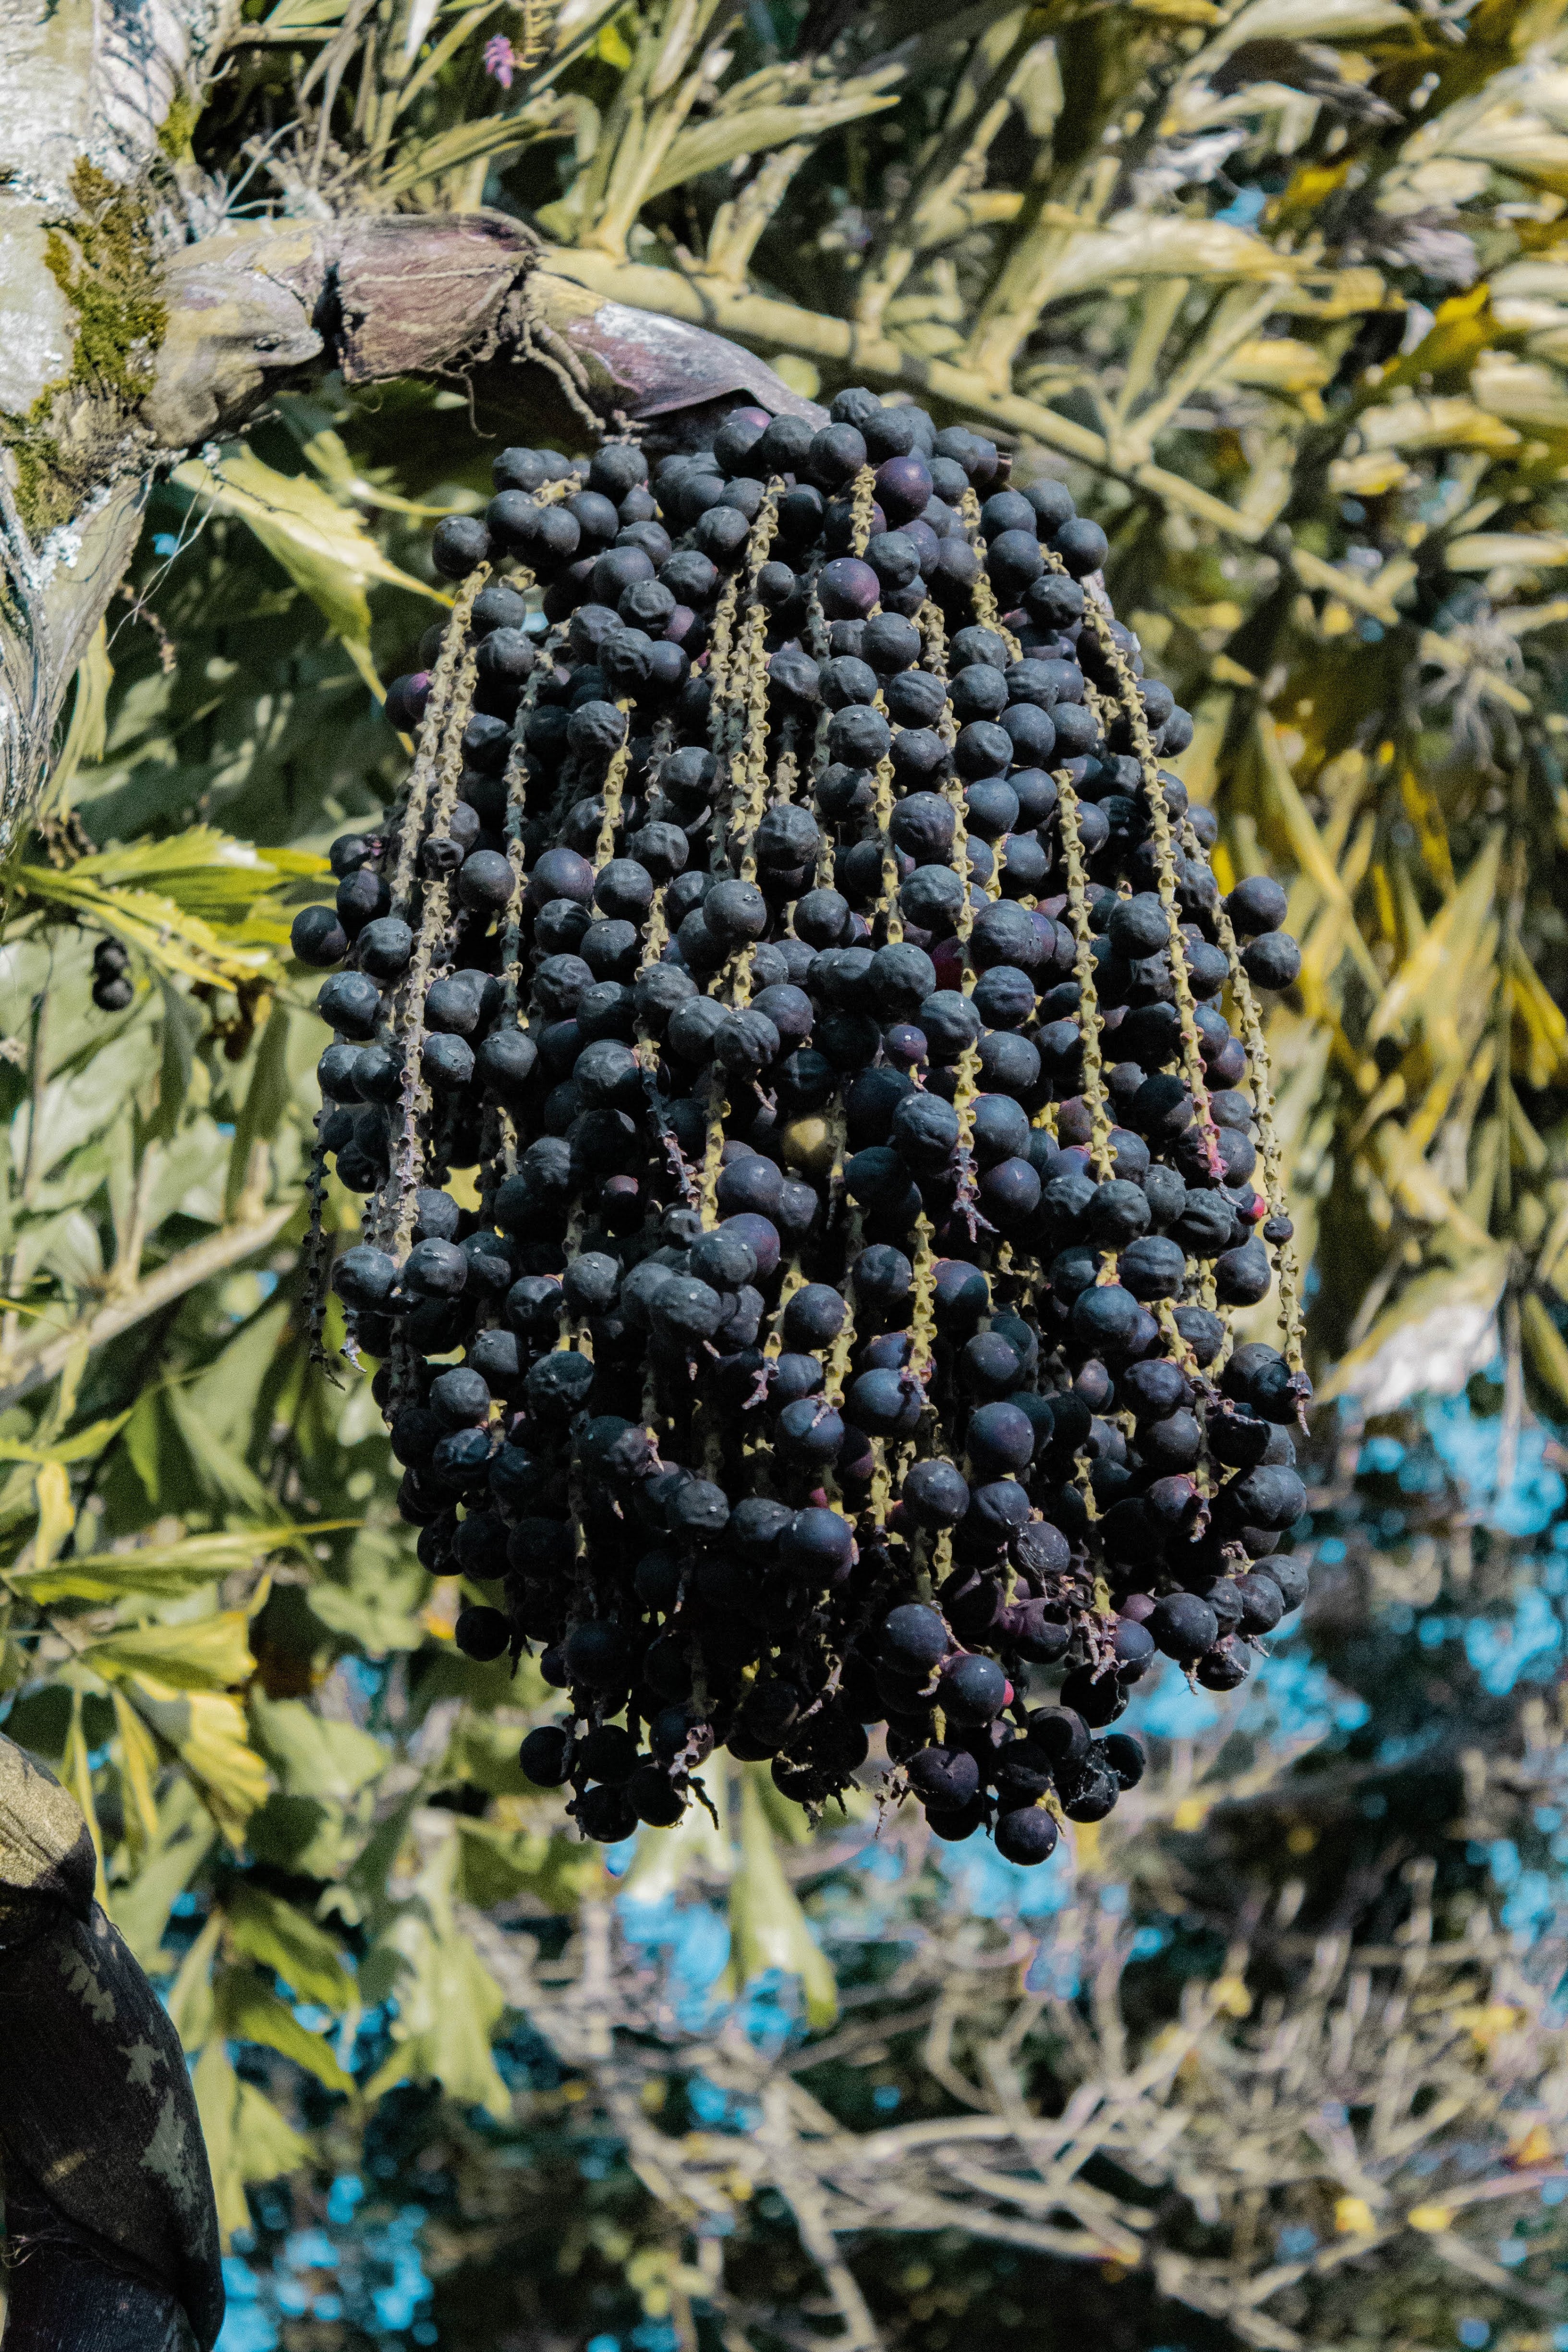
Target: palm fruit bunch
{"type": "Point", "coordinates": [791, 933]}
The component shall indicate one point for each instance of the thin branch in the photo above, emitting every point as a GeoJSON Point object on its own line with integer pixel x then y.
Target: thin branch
{"type": "Point", "coordinates": [783, 326]}
{"type": "Point", "coordinates": [1227, 2116]}
{"type": "Point", "coordinates": [42, 1355]}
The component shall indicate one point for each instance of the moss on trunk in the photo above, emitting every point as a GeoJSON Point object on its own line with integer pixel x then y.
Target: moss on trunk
{"type": "Point", "coordinates": [103, 259]}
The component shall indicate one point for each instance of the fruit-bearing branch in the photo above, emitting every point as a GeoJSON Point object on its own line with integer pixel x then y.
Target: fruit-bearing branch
{"type": "Point", "coordinates": [142, 322]}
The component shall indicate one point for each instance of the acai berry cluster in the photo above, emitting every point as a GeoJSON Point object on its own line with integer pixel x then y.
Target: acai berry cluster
{"type": "Point", "coordinates": [794, 939]}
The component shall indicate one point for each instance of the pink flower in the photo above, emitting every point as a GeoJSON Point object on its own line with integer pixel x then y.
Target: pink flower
{"type": "Point", "coordinates": [499, 60]}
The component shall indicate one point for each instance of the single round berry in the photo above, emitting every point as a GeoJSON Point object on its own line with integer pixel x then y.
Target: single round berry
{"type": "Point", "coordinates": [482, 1634]}
{"type": "Point", "coordinates": [318, 937]}
{"type": "Point", "coordinates": [544, 1756]}
{"type": "Point", "coordinates": [1027, 1835]}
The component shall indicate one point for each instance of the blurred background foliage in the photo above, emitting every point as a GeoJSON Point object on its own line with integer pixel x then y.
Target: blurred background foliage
{"type": "Point", "coordinates": [1274, 2059]}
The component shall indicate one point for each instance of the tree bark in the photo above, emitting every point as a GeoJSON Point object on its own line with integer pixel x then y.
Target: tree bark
{"type": "Point", "coordinates": [216, 314]}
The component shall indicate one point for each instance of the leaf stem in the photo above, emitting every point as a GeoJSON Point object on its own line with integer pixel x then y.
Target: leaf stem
{"type": "Point", "coordinates": [39, 1357]}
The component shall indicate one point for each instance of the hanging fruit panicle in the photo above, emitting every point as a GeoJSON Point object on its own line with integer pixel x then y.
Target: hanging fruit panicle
{"type": "Point", "coordinates": [803, 942]}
